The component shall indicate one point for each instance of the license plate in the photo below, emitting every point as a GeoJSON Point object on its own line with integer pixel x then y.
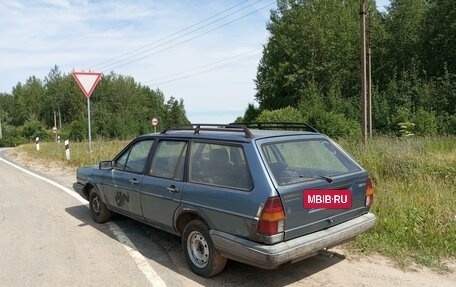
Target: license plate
{"type": "Point", "coordinates": [327, 198]}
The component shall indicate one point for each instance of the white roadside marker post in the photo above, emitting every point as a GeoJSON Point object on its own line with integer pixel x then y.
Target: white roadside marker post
{"type": "Point", "coordinates": [37, 143]}
{"type": "Point", "coordinates": [67, 149]}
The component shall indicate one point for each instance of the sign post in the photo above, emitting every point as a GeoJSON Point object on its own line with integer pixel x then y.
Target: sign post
{"type": "Point", "coordinates": [154, 122]}
{"type": "Point", "coordinates": [54, 130]}
{"type": "Point", "coordinates": [87, 82]}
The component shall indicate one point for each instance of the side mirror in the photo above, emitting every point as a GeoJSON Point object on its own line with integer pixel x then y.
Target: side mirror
{"type": "Point", "coordinates": [106, 164]}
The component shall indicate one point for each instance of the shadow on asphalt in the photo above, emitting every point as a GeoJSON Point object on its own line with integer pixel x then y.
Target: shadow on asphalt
{"type": "Point", "coordinates": [165, 249]}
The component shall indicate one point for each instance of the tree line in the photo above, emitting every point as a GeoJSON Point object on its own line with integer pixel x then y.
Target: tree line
{"type": "Point", "coordinates": [310, 67]}
{"type": "Point", "coordinates": [309, 72]}
{"type": "Point", "coordinates": [121, 108]}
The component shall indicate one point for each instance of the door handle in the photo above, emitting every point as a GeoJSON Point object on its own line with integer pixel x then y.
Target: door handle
{"type": "Point", "coordinates": [134, 181]}
{"type": "Point", "coordinates": [172, 189]}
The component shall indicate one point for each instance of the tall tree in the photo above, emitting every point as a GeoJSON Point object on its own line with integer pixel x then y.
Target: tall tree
{"type": "Point", "coordinates": [311, 42]}
{"type": "Point", "coordinates": [175, 112]}
{"type": "Point", "coordinates": [28, 100]}
{"type": "Point", "coordinates": [120, 107]}
{"type": "Point", "coordinates": [404, 22]}
{"type": "Point", "coordinates": [439, 37]}
{"type": "Point", "coordinates": [6, 107]}
{"type": "Point", "coordinates": [54, 95]}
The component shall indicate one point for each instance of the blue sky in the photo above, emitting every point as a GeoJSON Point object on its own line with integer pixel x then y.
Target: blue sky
{"type": "Point", "coordinates": [210, 63]}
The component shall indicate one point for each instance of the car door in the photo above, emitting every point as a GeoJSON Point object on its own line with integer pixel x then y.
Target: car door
{"type": "Point", "coordinates": [163, 184]}
{"type": "Point", "coordinates": [122, 186]}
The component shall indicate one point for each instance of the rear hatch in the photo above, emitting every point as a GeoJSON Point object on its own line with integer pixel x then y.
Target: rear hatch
{"type": "Point", "coordinates": [319, 184]}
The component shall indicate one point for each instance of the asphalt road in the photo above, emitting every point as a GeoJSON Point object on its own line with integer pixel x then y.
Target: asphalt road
{"type": "Point", "coordinates": [47, 238]}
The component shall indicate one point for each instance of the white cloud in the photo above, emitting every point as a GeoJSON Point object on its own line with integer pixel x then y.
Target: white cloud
{"type": "Point", "coordinates": [81, 34]}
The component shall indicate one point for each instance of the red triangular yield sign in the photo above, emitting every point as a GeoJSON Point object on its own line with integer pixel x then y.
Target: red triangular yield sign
{"type": "Point", "coordinates": [87, 81]}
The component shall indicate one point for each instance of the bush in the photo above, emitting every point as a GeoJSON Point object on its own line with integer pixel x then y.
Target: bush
{"type": "Point", "coordinates": [406, 129]}
{"type": "Point", "coordinates": [11, 136]}
{"type": "Point", "coordinates": [77, 131]}
{"type": "Point", "coordinates": [425, 123]}
{"type": "Point", "coordinates": [447, 124]}
{"type": "Point", "coordinates": [335, 125]}
{"type": "Point", "coordinates": [329, 123]}
{"type": "Point", "coordinates": [33, 129]}
{"type": "Point", "coordinates": [288, 114]}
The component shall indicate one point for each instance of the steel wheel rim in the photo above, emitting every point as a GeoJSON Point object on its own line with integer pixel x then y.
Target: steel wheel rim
{"type": "Point", "coordinates": [96, 205]}
{"type": "Point", "coordinates": [198, 249]}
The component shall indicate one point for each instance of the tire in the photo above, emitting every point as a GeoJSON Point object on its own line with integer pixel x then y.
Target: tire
{"type": "Point", "coordinates": [100, 213]}
{"type": "Point", "coordinates": [199, 251]}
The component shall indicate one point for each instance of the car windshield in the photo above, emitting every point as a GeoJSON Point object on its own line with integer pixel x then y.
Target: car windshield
{"type": "Point", "coordinates": [304, 160]}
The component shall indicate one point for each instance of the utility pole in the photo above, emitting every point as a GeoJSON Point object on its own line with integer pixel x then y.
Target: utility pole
{"type": "Point", "coordinates": [55, 120]}
{"type": "Point", "coordinates": [362, 14]}
{"type": "Point", "coordinates": [54, 128]}
{"type": "Point", "coordinates": [369, 75]}
{"type": "Point", "coordinates": [60, 119]}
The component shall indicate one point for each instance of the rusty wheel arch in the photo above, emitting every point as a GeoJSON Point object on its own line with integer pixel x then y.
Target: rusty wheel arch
{"type": "Point", "coordinates": [187, 216]}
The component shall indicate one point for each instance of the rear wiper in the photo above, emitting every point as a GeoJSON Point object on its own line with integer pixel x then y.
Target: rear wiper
{"type": "Point", "coordinates": [327, 178]}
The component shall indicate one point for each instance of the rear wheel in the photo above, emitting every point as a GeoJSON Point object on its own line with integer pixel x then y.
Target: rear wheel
{"type": "Point", "coordinates": [199, 251]}
{"type": "Point", "coordinates": [100, 213]}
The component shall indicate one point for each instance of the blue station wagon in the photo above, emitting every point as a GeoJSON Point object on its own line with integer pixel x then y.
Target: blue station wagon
{"type": "Point", "coordinates": [260, 196]}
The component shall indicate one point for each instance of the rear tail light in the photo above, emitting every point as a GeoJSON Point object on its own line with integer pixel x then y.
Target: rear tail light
{"type": "Point", "coordinates": [272, 217]}
{"type": "Point", "coordinates": [369, 193]}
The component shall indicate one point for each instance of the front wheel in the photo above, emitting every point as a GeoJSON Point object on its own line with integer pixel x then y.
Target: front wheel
{"type": "Point", "coordinates": [100, 213]}
{"type": "Point", "coordinates": [199, 251]}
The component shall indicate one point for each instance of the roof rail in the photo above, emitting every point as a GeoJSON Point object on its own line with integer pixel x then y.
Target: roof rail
{"type": "Point", "coordinates": [290, 126]}
{"type": "Point", "coordinates": [240, 128]}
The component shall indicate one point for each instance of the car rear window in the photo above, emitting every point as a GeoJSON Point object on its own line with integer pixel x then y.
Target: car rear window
{"type": "Point", "coordinates": [303, 160]}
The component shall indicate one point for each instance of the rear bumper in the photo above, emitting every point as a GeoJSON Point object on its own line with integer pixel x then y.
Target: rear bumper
{"type": "Point", "coordinates": [79, 188]}
{"type": "Point", "coordinates": [272, 256]}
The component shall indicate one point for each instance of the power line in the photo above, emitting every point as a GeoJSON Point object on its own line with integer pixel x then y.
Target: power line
{"type": "Point", "coordinates": [164, 38]}
{"type": "Point", "coordinates": [205, 68]}
{"type": "Point", "coordinates": [157, 44]}
{"type": "Point", "coordinates": [194, 37]}
{"type": "Point", "coordinates": [192, 70]}
{"type": "Point", "coordinates": [250, 58]}
{"type": "Point", "coordinates": [187, 40]}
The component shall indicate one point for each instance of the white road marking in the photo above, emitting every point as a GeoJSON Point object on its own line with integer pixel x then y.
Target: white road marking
{"type": "Point", "coordinates": [141, 262]}
{"type": "Point", "coordinates": [67, 190]}
{"type": "Point", "coordinates": [139, 259]}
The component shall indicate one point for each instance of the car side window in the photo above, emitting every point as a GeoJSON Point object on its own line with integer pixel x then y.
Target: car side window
{"type": "Point", "coordinates": [169, 159]}
{"type": "Point", "coordinates": [134, 159]}
{"type": "Point", "coordinates": [221, 165]}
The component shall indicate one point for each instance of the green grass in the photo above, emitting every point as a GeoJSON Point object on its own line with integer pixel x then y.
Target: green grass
{"type": "Point", "coordinates": [79, 152]}
{"type": "Point", "coordinates": [415, 198]}
{"type": "Point", "coordinates": [415, 192]}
